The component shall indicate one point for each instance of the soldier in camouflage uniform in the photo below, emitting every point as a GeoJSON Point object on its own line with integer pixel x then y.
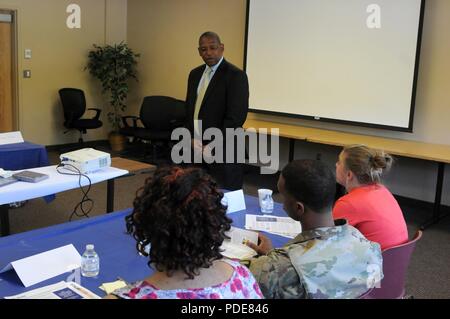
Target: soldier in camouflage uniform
{"type": "Point", "coordinates": [329, 259]}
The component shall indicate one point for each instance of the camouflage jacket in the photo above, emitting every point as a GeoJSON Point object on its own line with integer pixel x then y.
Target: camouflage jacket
{"type": "Point", "coordinates": [328, 262]}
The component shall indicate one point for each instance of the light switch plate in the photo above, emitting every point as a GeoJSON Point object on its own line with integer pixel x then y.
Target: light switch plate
{"type": "Point", "coordinates": [27, 53]}
{"type": "Point", "coordinates": [27, 74]}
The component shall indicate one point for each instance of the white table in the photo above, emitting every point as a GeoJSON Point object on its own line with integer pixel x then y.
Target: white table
{"type": "Point", "coordinates": [56, 183]}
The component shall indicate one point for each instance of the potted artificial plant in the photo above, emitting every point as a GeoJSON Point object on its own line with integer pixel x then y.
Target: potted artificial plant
{"type": "Point", "coordinates": [114, 66]}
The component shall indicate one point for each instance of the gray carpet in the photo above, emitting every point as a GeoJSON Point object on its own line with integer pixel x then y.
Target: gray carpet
{"type": "Point", "coordinates": [428, 275]}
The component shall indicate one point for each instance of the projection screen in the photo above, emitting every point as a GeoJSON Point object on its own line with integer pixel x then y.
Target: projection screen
{"type": "Point", "coordinates": [349, 61]}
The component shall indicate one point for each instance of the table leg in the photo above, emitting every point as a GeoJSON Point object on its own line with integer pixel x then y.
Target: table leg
{"type": "Point", "coordinates": [437, 200]}
{"type": "Point", "coordinates": [110, 195]}
{"type": "Point", "coordinates": [4, 220]}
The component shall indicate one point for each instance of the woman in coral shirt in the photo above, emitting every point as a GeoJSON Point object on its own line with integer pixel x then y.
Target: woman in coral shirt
{"type": "Point", "coordinates": [368, 205]}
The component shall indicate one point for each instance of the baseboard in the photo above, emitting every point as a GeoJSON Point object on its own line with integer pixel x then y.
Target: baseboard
{"type": "Point", "coordinates": [92, 144]}
{"type": "Point", "coordinates": [420, 204]}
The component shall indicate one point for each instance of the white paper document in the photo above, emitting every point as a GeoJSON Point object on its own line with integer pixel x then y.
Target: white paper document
{"type": "Point", "coordinates": [61, 290]}
{"type": "Point", "coordinates": [283, 226]}
{"type": "Point", "coordinates": [11, 138]}
{"type": "Point", "coordinates": [35, 269]}
{"type": "Point", "coordinates": [234, 200]}
{"type": "Point", "coordinates": [237, 251]}
{"type": "Point", "coordinates": [235, 247]}
{"type": "Point", "coordinates": [240, 236]}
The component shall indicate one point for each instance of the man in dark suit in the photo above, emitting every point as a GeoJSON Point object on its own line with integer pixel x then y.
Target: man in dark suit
{"type": "Point", "coordinates": [217, 95]}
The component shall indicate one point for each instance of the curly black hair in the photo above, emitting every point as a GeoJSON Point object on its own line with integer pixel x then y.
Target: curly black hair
{"type": "Point", "coordinates": [179, 212]}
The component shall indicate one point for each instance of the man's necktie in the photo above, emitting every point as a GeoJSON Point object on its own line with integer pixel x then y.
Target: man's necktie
{"type": "Point", "coordinates": [201, 94]}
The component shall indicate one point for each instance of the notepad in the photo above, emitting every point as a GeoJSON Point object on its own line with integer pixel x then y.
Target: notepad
{"type": "Point", "coordinates": [235, 247]}
{"type": "Point", "coordinates": [109, 287]}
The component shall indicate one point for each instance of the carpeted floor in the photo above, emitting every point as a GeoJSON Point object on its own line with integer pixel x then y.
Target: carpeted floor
{"type": "Point", "coordinates": [428, 275]}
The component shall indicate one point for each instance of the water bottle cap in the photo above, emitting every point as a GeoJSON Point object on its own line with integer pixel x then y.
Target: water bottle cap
{"type": "Point", "coordinates": [90, 247]}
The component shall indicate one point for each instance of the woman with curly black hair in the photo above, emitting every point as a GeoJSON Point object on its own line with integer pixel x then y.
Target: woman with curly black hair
{"type": "Point", "coordinates": [180, 215]}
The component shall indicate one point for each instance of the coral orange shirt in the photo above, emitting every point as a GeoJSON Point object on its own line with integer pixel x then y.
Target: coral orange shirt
{"type": "Point", "coordinates": [375, 213]}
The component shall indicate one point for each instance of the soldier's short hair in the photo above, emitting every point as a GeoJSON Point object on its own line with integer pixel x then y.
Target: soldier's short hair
{"type": "Point", "coordinates": [310, 182]}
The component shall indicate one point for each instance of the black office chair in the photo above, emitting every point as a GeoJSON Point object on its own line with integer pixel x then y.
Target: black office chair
{"type": "Point", "coordinates": [159, 116]}
{"type": "Point", "coordinates": [74, 105]}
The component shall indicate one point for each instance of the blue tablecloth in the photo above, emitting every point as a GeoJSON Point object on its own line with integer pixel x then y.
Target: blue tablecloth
{"type": "Point", "coordinates": [24, 155]}
{"type": "Point", "coordinates": [118, 255]}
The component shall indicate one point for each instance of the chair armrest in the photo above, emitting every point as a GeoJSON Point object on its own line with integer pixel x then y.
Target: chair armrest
{"type": "Point", "coordinates": [97, 115]}
{"type": "Point", "coordinates": [129, 117]}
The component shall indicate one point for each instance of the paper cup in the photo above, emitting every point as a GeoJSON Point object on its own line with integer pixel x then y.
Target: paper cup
{"type": "Point", "coordinates": [262, 192]}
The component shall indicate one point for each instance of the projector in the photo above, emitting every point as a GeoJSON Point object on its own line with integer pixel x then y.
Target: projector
{"type": "Point", "coordinates": [86, 160]}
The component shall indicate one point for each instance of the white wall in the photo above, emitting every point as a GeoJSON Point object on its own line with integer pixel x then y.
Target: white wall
{"type": "Point", "coordinates": [58, 60]}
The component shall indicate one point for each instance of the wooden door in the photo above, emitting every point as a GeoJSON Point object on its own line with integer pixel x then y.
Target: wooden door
{"type": "Point", "coordinates": [6, 95]}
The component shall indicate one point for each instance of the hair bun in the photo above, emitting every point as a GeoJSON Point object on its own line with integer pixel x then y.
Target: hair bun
{"type": "Point", "coordinates": [381, 160]}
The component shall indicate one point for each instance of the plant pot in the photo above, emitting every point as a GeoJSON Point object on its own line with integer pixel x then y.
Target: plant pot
{"type": "Point", "coordinates": [116, 141]}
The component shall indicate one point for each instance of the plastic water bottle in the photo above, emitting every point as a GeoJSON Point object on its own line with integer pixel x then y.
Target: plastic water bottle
{"type": "Point", "coordinates": [90, 262]}
{"type": "Point", "coordinates": [267, 204]}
